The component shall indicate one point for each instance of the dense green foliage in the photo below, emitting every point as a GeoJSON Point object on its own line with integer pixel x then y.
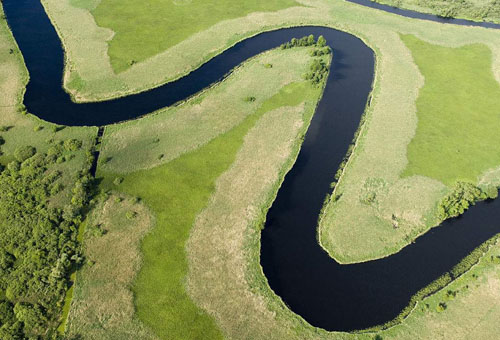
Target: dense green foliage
{"type": "Point", "coordinates": [318, 68]}
{"type": "Point", "coordinates": [309, 41]}
{"type": "Point", "coordinates": [457, 111]}
{"type": "Point", "coordinates": [38, 245]}
{"type": "Point", "coordinates": [464, 194]}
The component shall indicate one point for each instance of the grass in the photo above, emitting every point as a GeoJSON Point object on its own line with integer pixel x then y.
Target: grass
{"type": "Point", "coordinates": [391, 122]}
{"type": "Point", "coordinates": [175, 130]}
{"type": "Point", "coordinates": [90, 76]}
{"type": "Point", "coordinates": [142, 31]}
{"type": "Point", "coordinates": [176, 192]}
{"type": "Point", "coordinates": [223, 247]}
{"type": "Point", "coordinates": [102, 305]}
{"type": "Point", "coordinates": [457, 113]}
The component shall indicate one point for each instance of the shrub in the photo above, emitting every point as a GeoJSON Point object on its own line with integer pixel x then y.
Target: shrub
{"type": "Point", "coordinates": [56, 188]}
{"type": "Point", "coordinates": [118, 180]}
{"type": "Point", "coordinates": [455, 203]}
{"type": "Point", "coordinates": [24, 152]}
{"type": "Point", "coordinates": [57, 128]}
{"type": "Point", "coordinates": [321, 41]}
{"type": "Point", "coordinates": [317, 72]}
{"type": "Point", "coordinates": [249, 99]}
{"type": "Point", "coordinates": [21, 109]}
{"type": "Point", "coordinates": [38, 128]}
{"type": "Point", "coordinates": [304, 41]}
{"type": "Point", "coordinates": [72, 144]}
{"type": "Point", "coordinates": [268, 65]}
{"type": "Point", "coordinates": [368, 198]}
{"type": "Point", "coordinates": [2, 141]}
{"type": "Point", "coordinates": [441, 307]}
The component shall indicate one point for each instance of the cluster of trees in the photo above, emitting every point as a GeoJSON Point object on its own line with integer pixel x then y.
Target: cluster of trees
{"type": "Point", "coordinates": [38, 243]}
{"type": "Point", "coordinates": [317, 72]}
{"type": "Point", "coordinates": [462, 197]}
{"type": "Point", "coordinates": [305, 41]}
{"type": "Point", "coordinates": [318, 52]}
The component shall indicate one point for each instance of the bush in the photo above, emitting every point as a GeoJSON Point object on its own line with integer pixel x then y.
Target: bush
{"type": "Point", "coordinates": [464, 194]}
{"type": "Point", "coordinates": [321, 41]}
{"type": "Point", "coordinates": [57, 128]}
{"type": "Point", "coordinates": [317, 72]}
{"type": "Point", "coordinates": [441, 307]}
{"type": "Point", "coordinates": [302, 42]}
{"type": "Point", "coordinates": [72, 144]}
{"type": "Point", "coordinates": [118, 180]}
{"type": "Point", "coordinates": [38, 128]}
{"type": "Point", "coordinates": [249, 99]}
{"type": "Point", "coordinates": [24, 152]}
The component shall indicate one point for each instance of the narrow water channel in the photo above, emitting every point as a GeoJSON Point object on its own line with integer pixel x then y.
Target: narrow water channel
{"type": "Point", "coordinates": [325, 293]}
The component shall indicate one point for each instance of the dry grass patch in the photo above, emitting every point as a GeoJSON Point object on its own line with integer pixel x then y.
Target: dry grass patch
{"type": "Point", "coordinates": [158, 138]}
{"type": "Point", "coordinates": [103, 306]}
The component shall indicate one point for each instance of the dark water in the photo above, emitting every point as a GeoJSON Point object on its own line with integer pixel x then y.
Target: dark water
{"type": "Point", "coordinates": [424, 16]}
{"type": "Point", "coordinates": [326, 294]}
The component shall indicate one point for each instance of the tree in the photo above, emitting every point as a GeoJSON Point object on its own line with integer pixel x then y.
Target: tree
{"type": "Point", "coordinates": [321, 41]}
{"type": "Point", "coordinates": [310, 40]}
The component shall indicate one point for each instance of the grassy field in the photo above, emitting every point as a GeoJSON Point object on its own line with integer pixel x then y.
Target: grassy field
{"type": "Point", "coordinates": [451, 130]}
{"type": "Point", "coordinates": [478, 10]}
{"type": "Point", "coordinates": [454, 125]}
{"type": "Point", "coordinates": [163, 24]}
{"type": "Point", "coordinates": [178, 190]}
{"type": "Point", "coordinates": [176, 130]}
{"type": "Point", "coordinates": [242, 304]}
{"type": "Point", "coordinates": [102, 306]}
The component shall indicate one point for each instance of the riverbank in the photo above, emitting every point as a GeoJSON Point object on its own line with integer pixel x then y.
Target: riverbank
{"type": "Point", "coordinates": [273, 297]}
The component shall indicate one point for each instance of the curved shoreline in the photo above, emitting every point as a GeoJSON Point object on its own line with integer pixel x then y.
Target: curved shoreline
{"type": "Point", "coordinates": [323, 292]}
{"type": "Point", "coordinates": [407, 13]}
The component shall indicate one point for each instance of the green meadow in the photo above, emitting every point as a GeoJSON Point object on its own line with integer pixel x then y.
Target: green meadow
{"type": "Point", "coordinates": [458, 112]}
{"type": "Point", "coordinates": [142, 30]}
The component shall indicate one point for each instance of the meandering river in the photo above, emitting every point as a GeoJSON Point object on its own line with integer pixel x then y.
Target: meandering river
{"type": "Point", "coordinates": [325, 293]}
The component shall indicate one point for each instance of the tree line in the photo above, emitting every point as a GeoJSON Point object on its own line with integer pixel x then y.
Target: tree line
{"type": "Point", "coordinates": [38, 241]}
